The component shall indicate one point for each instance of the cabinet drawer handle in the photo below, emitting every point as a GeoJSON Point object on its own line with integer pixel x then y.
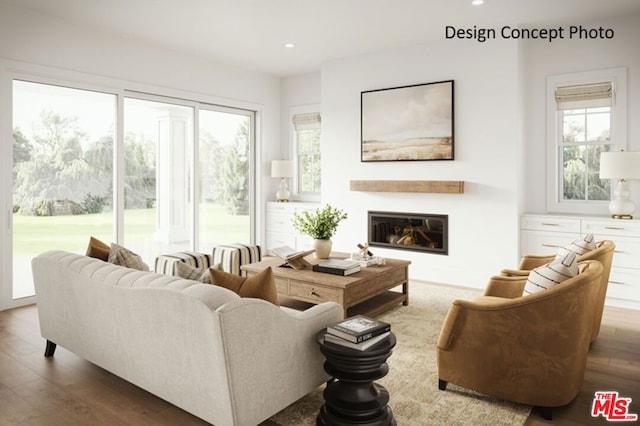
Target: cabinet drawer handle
{"type": "Point", "coordinates": [313, 293]}
{"type": "Point", "coordinates": [550, 224]}
{"type": "Point", "coordinates": [618, 251]}
{"type": "Point", "coordinates": [550, 245]}
{"type": "Point", "coordinates": [614, 228]}
{"type": "Point", "coordinates": [616, 282]}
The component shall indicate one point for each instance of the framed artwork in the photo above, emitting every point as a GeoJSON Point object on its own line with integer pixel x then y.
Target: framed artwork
{"type": "Point", "coordinates": [409, 123]}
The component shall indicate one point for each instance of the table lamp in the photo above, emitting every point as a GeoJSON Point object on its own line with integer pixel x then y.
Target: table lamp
{"type": "Point", "coordinates": [621, 165]}
{"type": "Point", "coordinates": [282, 169]}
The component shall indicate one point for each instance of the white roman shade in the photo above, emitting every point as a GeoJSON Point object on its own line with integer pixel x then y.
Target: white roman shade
{"type": "Point", "coordinates": [306, 121]}
{"type": "Point", "coordinates": [584, 96]}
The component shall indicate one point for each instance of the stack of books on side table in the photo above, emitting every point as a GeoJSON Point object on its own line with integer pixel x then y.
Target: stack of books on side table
{"type": "Point", "coordinates": [338, 267]}
{"type": "Point", "coordinates": [357, 332]}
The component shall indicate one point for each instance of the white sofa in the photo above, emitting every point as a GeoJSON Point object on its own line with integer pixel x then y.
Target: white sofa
{"type": "Point", "coordinates": [225, 359]}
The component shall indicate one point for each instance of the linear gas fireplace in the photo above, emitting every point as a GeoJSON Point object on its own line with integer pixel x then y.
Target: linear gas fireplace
{"type": "Point", "coordinates": [409, 231]}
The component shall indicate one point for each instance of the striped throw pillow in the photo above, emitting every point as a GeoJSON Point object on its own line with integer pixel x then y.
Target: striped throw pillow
{"type": "Point", "coordinates": [579, 247]}
{"type": "Point", "coordinates": [119, 255]}
{"type": "Point", "coordinates": [188, 272]}
{"type": "Point", "coordinates": [546, 276]}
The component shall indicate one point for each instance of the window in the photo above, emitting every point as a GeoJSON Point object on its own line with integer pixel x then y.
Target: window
{"type": "Point", "coordinates": [77, 171]}
{"type": "Point", "coordinates": [585, 118]}
{"type": "Point", "coordinates": [306, 138]}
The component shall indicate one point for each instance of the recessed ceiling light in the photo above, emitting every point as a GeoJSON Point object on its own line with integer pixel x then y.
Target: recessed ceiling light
{"type": "Point", "coordinates": [289, 45]}
{"type": "Point", "coordinates": [477, 2]}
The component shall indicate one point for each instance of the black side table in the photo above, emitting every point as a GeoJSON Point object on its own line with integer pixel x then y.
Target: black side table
{"type": "Point", "coordinates": [352, 397]}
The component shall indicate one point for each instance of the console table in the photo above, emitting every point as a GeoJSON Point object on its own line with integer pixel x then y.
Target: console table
{"type": "Point", "coordinates": [354, 398]}
{"type": "Point", "coordinates": [366, 292]}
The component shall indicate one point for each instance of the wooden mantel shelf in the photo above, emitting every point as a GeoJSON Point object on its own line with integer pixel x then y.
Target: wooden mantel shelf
{"type": "Point", "coordinates": [431, 186]}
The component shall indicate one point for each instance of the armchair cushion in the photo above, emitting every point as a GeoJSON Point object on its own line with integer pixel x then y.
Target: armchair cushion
{"type": "Point", "coordinates": [546, 276]}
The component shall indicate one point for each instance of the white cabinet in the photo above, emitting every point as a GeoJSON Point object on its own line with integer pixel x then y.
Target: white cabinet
{"type": "Point", "coordinates": [543, 234]}
{"type": "Point", "coordinates": [279, 229]}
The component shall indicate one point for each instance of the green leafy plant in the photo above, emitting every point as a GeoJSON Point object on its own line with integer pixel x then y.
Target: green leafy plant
{"type": "Point", "coordinates": [321, 224]}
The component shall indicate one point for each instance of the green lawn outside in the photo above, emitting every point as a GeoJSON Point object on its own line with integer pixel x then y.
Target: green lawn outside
{"type": "Point", "coordinates": [35, 234]}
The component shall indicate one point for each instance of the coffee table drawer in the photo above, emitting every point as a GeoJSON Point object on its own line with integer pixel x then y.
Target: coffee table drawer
{"type": "Point", "coordinates": [313, 293]}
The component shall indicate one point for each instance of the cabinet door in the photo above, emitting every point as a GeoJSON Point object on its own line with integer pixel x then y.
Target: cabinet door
{"type": "Point", "coordinates": [545, 243]}
{"type": "Point", "coordinates": [623, 285]}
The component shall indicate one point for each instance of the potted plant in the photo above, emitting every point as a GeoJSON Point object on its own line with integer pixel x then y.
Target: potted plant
{"type": "Point", "coordinates": [319, 225]}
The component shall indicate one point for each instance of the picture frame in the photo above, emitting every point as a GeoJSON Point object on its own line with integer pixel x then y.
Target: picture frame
{"type": "Point", "coordinates": [408, 123]}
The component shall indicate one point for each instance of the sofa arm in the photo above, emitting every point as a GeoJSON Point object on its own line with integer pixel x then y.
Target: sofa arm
{"type": "Point", "coordinates": [506, 272]}
{"type": "Point", "coordinates": [505, 286]}
{"type": "Point", "coordinates": [266, 346]}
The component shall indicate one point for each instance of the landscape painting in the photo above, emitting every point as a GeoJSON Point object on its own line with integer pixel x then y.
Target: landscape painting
{"type": "Point", "coordinates": [410, 123]}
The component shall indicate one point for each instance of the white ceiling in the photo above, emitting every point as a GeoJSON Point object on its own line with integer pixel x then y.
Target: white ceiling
{"type": "Point", "coordinates": [251, 33]}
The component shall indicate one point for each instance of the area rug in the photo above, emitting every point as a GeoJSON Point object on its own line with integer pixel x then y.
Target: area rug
{"type": "Point", "coordinates": [412, 381]}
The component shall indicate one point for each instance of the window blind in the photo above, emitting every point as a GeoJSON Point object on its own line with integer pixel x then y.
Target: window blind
{"type": "Point", "coordinates": [584, 96]}
{"type": "Point", "coordinates": [306, 121]}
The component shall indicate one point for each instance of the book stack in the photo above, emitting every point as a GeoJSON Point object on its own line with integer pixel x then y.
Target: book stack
{"type": "Point", "coordinates": [338, 267]}
{"type": "Point", "coordinates": [357, 332]}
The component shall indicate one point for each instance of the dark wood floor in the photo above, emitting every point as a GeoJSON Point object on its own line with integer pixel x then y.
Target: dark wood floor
{"type": "Point", "coordinates": [67, 390]}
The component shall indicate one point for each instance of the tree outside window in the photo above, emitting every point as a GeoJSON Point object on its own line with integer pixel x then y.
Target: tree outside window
{"type": "Point", "coordinates": [586, 133]}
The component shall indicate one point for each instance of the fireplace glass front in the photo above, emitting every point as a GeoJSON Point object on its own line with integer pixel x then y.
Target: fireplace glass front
{"type": "Point", "coordinates": [409, 231]}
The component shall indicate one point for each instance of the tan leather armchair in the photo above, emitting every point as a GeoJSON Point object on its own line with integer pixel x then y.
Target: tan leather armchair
{"type": "Point", "coordinates": [603, 253]}
{"type": "Point", "coordinates": [528, 349]}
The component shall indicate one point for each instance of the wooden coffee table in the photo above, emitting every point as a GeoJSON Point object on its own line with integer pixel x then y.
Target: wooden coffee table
{"type": "Point", "coordinates": [366, 292]}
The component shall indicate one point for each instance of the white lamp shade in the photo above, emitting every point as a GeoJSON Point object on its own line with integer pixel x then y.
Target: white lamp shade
{"type": "Point", "coordinates": [620, 165]}
{"type": "Point", "coordinates": [282, 168]}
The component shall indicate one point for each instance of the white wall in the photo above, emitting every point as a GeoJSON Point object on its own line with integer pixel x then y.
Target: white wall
{"type": "Point", "coordinates": [84, 55]}
{"type": "Point", "coordinates": [568, 56]}
{"type": "Point", "coordinates": [295, 91]}
{"type": "Point", "coordinates": [483, 222]}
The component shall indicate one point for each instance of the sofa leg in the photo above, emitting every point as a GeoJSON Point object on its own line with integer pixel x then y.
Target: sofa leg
{"type": "Point", "coordinates": [442, 384]}
{"type": "Point", "coordinates": [50, 349]}
{"type": "Point", "coordinates": [546, 412]}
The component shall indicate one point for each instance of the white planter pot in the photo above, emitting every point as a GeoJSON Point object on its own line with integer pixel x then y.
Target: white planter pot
{"type": "Point", "coordinates": [323, 248]}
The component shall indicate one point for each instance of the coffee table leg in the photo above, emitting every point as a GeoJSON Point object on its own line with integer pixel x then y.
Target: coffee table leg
{"type": "Point", "coordinates": [405, 290]}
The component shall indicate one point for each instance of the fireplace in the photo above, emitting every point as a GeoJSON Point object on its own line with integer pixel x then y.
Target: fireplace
{"type": "Point", "coordinates": [427, 233]}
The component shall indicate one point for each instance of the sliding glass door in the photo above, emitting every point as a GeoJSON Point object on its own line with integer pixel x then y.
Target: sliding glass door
{"type": "Point", "coordinates": [74, 177]}
{"type": "Point", "coordinates": [63, 141]}
{"type": "Point", "coordinates": [158, 153]}
{"type": "Point", "coordinates": [225, 185]}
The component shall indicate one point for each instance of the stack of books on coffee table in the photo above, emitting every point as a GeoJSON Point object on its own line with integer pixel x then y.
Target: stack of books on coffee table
{"type": "Point", "coordinates": [338, 267]}
{"type": "Point", "coordinates": [357, 332]}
